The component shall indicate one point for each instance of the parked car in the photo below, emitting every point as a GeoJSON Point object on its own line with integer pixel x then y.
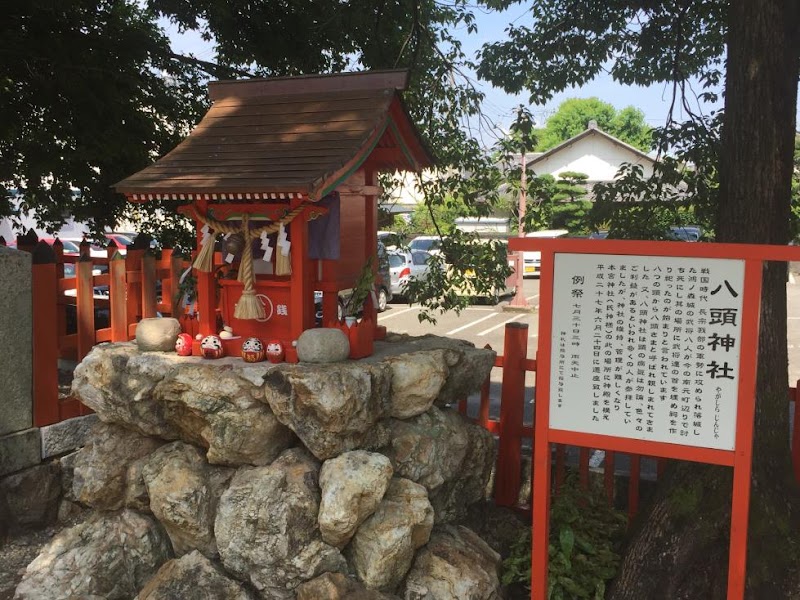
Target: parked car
{"type": "Point", "coordinates": [383, 291]}
{"type": "Point", "coordinates": [405, 265]}
{"type": "Point", "coordinates": [123, 239]}
{"type": "Point", "coordinates": [685, 233]}
{"type": "Point", "coordinates": [383, 287]}
{"type": "Point", "coordinates": [95, 251]}
{"type": "Point", "coordinates": [428, 243]}
{"type": "Point", "coordinates": [71, 248]}
{"type": "Point", "coordinates": [681, 233]}
{"type": "Point", "coordinates": [532, 260]}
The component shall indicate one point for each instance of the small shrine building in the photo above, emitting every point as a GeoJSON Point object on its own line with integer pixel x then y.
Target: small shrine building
{"type": "Point", "coordinates": [288, 166]}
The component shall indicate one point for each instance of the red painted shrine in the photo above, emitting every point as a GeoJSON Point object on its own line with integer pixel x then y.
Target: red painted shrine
{"type": "Point", "coordinates": [289, 166]}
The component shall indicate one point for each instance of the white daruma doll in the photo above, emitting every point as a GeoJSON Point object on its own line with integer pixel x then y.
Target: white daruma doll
{"type": "Point", "coordinates": [253, 350]}
{"type": "Point", "coordinates": [211, 347]}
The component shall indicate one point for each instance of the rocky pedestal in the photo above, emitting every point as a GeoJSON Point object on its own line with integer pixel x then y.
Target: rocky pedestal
{"type": "Point", "coordinates": [223, 479]}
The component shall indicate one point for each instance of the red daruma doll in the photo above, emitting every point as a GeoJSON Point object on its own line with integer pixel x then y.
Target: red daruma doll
{"type": "Point", "coordinates": [275, 352]}
{"type": "Point", "coordinates": [183, 345]}
{"type": "Point", "coordinates": [252, 350]}
{"type": "Point", "coordinates": [211, 347]}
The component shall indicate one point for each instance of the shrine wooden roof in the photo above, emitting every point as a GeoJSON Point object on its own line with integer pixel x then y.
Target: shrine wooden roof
{"type": "Point", "coordinates": [288, 136]}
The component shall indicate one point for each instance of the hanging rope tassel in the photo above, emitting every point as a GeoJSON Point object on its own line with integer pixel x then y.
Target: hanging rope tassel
{"type": "Point", "coordinates": [205, 258]}
{"type": "Point", "coordinates": [249, 306]}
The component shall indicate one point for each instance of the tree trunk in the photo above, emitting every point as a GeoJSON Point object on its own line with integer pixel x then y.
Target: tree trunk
{"type": "Point", "coordinates": [679, 547]}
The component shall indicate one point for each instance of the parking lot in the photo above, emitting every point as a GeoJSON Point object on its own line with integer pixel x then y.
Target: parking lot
{"type": "Point", "coordinates": [482, 324]}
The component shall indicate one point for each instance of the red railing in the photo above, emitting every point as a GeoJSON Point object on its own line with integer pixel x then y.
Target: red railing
{"type": "Point", "coordinates": [512, 433]}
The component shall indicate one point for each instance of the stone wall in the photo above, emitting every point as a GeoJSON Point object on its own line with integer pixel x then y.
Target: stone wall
{"type": "Point", "coordinates": [261, 481]}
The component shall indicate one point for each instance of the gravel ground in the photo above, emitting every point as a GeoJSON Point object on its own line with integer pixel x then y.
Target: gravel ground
{"type": "Point", "coordinates": [18, 550]}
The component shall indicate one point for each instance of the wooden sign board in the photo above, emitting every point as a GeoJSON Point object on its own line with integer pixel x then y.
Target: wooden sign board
{"type": "Point", "coordinates": [648, 348]}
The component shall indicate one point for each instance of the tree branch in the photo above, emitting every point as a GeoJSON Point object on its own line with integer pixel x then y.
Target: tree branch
{"type": "Point", "coordinates": [211, 68]}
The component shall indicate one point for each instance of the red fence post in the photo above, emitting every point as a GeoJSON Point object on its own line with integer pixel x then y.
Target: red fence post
{"type": "Point", "coordinates": [608, 476]}
{"type": "Point", "coordinates": [84, 295]}
{"type": "Point", "coordinates": [133, 283]}
{"type": "Point", "coordinates": [633, 486]}
{"type": "Point", "coordinates": [44, 286]}
{"type": "Point", "coordinates": [116, 296]}
{"type": "Point", "coordinates": [149, 309]}
{"type": "Point", "coordinates": [583, 467]}
{"type": "Point", "coordinates": [207, 298]}
{"type": "Point", "coordinates": [511, 414]}
{"type": "Point", "coordinates": [174, 299]}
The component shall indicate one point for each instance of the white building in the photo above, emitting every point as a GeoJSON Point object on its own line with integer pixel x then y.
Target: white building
{"type": "Point", "coordinates": [592, 152]}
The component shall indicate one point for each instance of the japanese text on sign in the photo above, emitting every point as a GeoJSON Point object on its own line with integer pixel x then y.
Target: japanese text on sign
{"type": "Point", "coordinates": [647, 347]}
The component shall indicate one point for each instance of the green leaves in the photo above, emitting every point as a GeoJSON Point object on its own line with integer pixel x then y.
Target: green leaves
{"type": "Point", "coordinates": [93, 95]}
{"type": "Point", "coordinates": [573, 117]}
{"type": "Point", "coordinates": [567, 541]}
{"type": "Point", "coordinates": [568, 44]}
{"type": "Point", "coordinates": [585, 539]}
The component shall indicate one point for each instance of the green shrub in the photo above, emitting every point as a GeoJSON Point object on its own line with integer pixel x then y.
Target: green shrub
{"type": "Point", "coordinates": [585, 539]}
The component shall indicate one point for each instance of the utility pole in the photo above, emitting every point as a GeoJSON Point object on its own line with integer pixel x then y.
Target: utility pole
{"type": "Point", "coordinates": [518, 302]}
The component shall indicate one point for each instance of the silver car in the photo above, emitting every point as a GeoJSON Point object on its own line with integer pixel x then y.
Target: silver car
{"type": "Point", "coordinates": [404, 265]}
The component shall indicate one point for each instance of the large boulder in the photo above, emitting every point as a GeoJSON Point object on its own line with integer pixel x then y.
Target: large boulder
{"type": "Point", "coordinates": [332, 408]}
{"type": "Point", "coordinates": [455, 564]}
{"type": "Point", "coordinates": [184, 491]}
{"type": "Point", "coordinates": [383, 547]}
{"type": "Point", "coordinates": [451, 456]}
{"type": "Point", "coordinates": [117, 380]}
{"type": "Point", "coordinates": [468, 366]}
{"type": "Point", "coordinates": [353, 485]}
{"type": "Point", "coordinates": [220, 408]}
{"type": "Point", "coordinates": [109, 556]}
{"type": "Point", "coordinates": [106, 472]}
{"type": "Point", "coordinates": [417, 380]}
{"type": "Point", "coordinates": [214, 404]}
{"type": "Point", "coordinates": [336, 586]}
{"type": "Point", "coordinates": [266, 526]}
{"type": "Point", "coordinates": [192, 576]}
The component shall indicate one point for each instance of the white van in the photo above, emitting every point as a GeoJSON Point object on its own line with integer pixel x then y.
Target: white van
{"type": "Point", "coordinates": [532, 261]}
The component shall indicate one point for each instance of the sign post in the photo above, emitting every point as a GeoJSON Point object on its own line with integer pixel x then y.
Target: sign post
{"type": "Point", "coordinates": [648, 348]}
